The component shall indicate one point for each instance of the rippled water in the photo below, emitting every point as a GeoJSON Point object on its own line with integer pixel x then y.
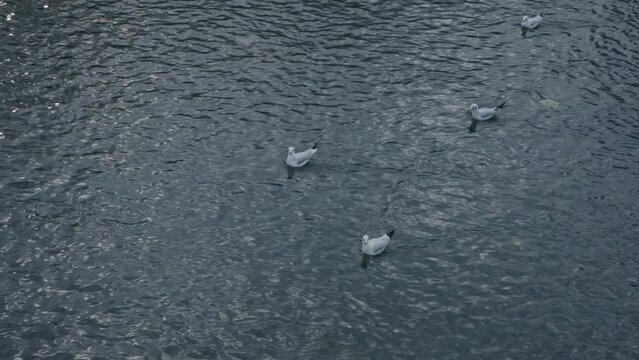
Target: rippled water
{"type": "Point", "coordinates": [147, 211]}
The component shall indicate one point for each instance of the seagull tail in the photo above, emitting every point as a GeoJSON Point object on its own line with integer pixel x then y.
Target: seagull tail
{"type": "Point", "coordinates": [502, 105]}
{"type": "Point", "coordinates": [390, 234]}
{"type": "Point", "coordinates": [542, 14]}
{"type": "Point", "coordinates": [315, 146]}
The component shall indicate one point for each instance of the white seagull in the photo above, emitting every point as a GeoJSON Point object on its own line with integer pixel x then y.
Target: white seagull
{"type": "Point", "coordinates": [376, 246]}
{"type": "Point", "coordinates": [531, 23]}
{"type": "Point", "coordinates": [481, 114]}
{"type": "Point", "coordinates": [301, 158]}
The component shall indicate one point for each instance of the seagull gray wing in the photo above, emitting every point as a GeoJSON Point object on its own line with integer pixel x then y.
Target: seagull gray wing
{"type": "Point", "coordinates": [304, 156]}
{"type": "Point", "coordinates": [486, 113]}
{"type": "Point", "coordinates": [378, 247]}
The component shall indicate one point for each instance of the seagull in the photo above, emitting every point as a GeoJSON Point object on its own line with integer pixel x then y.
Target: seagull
{"type": "Point", "coordinates": [483, 114]}
{"type": "Point", "coordinates": [376, 246]}
{"type": "Point", "coordinates": [531, 23]}
{"type": "Point", "coordinates": [301, 158]}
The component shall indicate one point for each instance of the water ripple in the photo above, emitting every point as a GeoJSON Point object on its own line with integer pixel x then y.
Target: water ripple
{"type": "Point", "coordinates": [148, 211]}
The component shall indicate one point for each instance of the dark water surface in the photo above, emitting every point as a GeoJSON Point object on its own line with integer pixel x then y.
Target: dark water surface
{"type": "Point", "coordinates": [146, 210]}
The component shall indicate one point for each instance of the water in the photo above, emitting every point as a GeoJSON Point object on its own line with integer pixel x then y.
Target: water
{"type": "Point", "coordinates": [147, 211]}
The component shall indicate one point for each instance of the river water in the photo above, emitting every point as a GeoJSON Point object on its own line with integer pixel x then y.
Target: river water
{"type": "Point", "coordinates": [147, 210]}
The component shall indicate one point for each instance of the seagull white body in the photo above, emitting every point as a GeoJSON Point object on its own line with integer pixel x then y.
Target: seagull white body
{"type": "Point", "coordinates": [377, 245]}
{"type": "Point", "coordinates": [481, 114]}
{"type": "Point", "coordinates": [533, 22]}
{"type": "Point", "coordinates": [484, 113]}
{"type": "Point", "coordinates": [301, 158]}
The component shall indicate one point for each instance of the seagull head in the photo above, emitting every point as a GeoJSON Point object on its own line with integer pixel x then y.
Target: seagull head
{"type": "Point", "coordinates": [474, 107]}
{"type": "Point", "coordinates": [524, 19]}
{"type": "Point", "coordinates": [365, 239]}
{"type": "Point", "coordinates": [291, 150]}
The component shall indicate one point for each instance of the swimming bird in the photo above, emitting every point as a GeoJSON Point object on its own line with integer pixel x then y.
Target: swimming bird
{"type": "Point", "coordinates": [377, 245]}
{"type": "Point", "coordinates": [481, 114]}
{"type": "Point", "coordinates": [301, 158]}
{"type": "Point", "coordinates": [531, 23]}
